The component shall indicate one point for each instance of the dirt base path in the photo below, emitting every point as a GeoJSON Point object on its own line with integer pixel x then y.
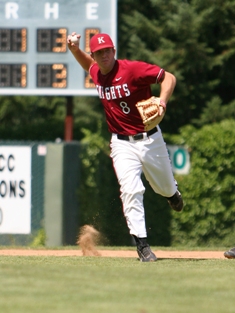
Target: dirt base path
{"type": "Point", "coordinates": [116, 253]}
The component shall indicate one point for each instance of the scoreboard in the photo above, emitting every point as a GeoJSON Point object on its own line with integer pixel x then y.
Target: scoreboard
{"type": "Point", "coordinates": [34, 58]}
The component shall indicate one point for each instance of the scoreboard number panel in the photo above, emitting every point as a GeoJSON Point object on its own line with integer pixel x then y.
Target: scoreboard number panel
{"type": "Point", "coordinates": [51, 75]}
{"type": "Point", "coordinates": [13, 75]}
{"type": "Point", "coordinates": [52, 40]}
{"type": "Point", "coordinates": [13, 39]}
{"type": "Point", "coordinates": [34, 57]}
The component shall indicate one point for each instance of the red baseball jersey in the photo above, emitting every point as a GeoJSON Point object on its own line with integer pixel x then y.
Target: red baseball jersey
{"type": "Point", "coordinates": [120, 90]}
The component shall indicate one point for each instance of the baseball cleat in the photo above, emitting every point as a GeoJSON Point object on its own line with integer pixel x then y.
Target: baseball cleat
{"type": "Point", "coordinates": [146, 254]}
{"type": "Point", "coordinates": [230, 254]}
{"type": "Point", "coordinates": [176, 202]}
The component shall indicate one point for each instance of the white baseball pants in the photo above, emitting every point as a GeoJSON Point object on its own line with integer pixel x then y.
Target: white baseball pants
{"type": "Point", "coordinates": [130, 160]}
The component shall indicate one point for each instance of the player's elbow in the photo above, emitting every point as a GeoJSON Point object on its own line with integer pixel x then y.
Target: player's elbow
{"type": "Point", "coordinates": [171, 79]}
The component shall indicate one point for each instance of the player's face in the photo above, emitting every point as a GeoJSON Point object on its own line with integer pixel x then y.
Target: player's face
{"type": "Point", "coordinates": [105, 59]}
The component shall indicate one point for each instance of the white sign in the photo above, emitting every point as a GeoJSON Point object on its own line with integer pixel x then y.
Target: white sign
{"type": "Point", "coordinates": [15, 190]}
{"type": "Point", "coordinates": [179, 159]}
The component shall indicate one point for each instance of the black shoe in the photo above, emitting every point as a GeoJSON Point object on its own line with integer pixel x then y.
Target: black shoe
{"type": "Point", "coordinates": [146, 254]}
{"type": "Point", "coordinates": [230, 254]}
{"type": "Point", "coordinates": [176, 202]}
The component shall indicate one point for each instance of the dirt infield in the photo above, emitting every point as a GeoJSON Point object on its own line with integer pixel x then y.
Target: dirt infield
{"type": "Point", "coordinates": [116, 253]}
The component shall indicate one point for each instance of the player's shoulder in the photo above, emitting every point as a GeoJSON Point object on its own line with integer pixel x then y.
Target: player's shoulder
{"type": "Point", "coordinates": [125, 62]}
{"type": "Point", "coordinates": [93, 67]}
{"type": "Point", "coordinates": [128, 65]}
{"type": "Point", "coordinates": [134, 64]}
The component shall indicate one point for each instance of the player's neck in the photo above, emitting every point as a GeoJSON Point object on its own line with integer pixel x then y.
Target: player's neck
{"type": "Point", "coordinates": [107, 70]}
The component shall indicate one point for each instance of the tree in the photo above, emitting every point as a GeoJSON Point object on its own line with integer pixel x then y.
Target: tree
{"type": "Point", "coordinates": [31, 117]}
{"type": "Point", "coordinates": [215, 112]}
{"type": "Point", "coordinates": [192, 39]}
{"type": "Point", "coordinates": [43, 118]}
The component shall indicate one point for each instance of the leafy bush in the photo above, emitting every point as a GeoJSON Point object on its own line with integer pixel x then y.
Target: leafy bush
{"type": "Point", "coordinates": [208, 191]}
{"type": "Point", "coordinates": [39, 239]}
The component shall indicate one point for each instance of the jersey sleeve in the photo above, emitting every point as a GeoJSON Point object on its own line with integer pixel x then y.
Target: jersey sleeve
{"type": "Point", "coordinates": [145, 73]}
{"type": "Point", "coordinates": [93, 71]}
{"type": "Point", "coordinates": [92, 68]}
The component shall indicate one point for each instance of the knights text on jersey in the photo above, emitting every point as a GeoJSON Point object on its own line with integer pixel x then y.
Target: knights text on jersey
{"type": "Point", "coordinates": [120, 90]}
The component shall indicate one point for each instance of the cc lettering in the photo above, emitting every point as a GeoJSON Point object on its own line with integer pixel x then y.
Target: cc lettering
{"type": "Point", "coordinates": [7, 163]}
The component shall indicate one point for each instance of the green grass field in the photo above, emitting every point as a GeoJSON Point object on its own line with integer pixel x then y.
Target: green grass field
{"type": "Point", "coordinates": [115, 285]}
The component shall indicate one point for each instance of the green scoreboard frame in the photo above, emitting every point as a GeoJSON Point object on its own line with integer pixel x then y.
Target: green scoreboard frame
{"type": "Point", "coordinates": [34, 58]}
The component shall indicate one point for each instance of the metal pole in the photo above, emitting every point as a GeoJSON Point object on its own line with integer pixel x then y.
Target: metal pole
{"type": "Point", "coordinates": [68, 131]}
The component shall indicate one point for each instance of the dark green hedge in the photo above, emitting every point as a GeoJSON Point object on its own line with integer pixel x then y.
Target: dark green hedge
{"type": "Point", "coordinates": [209, 189]}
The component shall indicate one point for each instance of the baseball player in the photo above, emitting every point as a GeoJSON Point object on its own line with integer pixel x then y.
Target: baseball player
{"type": "Point", "coordinates": [120, 85]}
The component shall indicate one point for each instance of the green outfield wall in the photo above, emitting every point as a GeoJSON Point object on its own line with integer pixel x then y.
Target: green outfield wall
{"type": "Point", "coordinates": [39, 184]}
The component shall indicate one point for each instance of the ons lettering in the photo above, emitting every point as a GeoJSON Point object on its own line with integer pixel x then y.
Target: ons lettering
{"type": "Point", "coordinates": [12, 189]}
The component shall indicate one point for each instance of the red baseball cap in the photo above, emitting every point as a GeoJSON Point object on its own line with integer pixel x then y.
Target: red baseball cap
{"type": "Point", "coordinates": [100, 41]}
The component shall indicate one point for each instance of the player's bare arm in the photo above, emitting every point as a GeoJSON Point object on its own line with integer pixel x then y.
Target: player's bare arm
{"type": "Point", "coordinates": [167, 87]}
{"type": "Point", "coordinates": [84, 59]}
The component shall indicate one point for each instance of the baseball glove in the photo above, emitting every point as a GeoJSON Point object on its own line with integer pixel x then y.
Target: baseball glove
{"type": "Point", "coordinates": [150, 112]}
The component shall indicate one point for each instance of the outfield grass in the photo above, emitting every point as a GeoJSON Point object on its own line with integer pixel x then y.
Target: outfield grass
{"type": "Point", "coordinates": [115, 285]}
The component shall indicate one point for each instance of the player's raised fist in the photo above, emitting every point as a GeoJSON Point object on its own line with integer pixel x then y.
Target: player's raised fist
{"type": "Point", "coordinates": [73, 40]}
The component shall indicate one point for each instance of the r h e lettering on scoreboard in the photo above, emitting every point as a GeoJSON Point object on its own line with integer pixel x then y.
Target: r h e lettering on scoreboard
{"type": "Point", "coordinates": [34, 58]}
